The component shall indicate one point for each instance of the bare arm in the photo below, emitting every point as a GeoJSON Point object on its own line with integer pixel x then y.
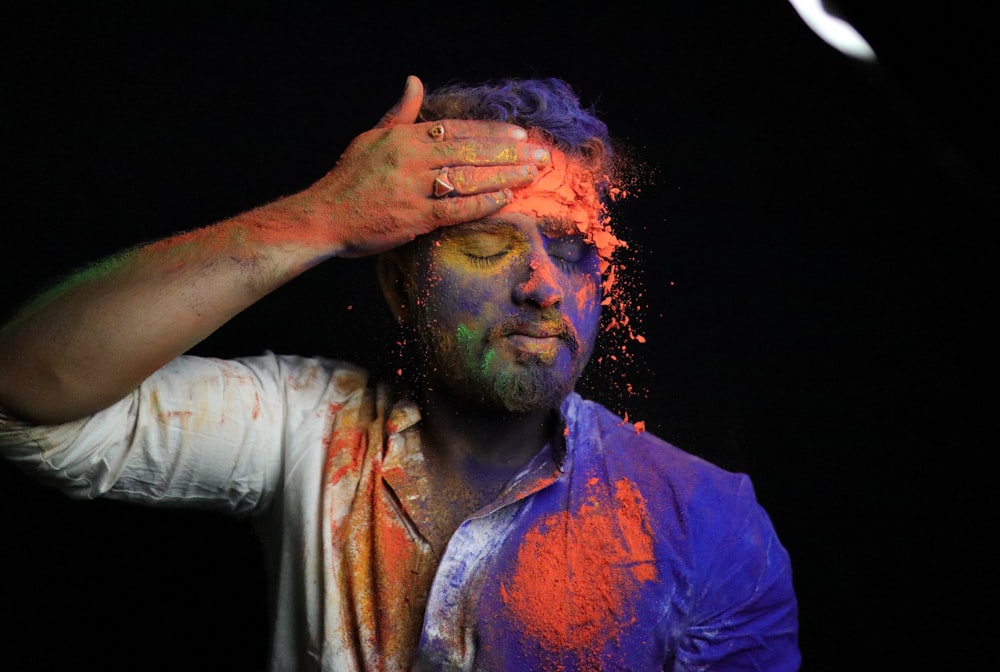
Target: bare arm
{"type": "Point", "coordinates": [89, 341]}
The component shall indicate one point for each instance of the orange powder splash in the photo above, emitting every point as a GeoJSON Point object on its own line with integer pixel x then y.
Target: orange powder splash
{"type": "Point", "coordinates": [578, 574]}
{"type": "Point", "coordinates": [617, 358]}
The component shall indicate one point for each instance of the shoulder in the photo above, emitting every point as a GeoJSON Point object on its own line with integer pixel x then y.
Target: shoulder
{"type": "Point", "coordinates": [599, 436]}
{"type": "Point", "coordinates": [709, 534]}
{"type": "Point", "coordinates": [296, 371]}
{"type": "Point", "coordinates": [291, 376]}
{"type": "Point", "coordinates": [706, 525]}
{"type": "Point", "coordinates": [683, 496]}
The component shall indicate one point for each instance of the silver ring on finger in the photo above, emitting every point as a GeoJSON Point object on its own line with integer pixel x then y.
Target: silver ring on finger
{"type": "Point", "coordinates": [442, 185]}
{"type": "Point", "coordinates": [437, 132]}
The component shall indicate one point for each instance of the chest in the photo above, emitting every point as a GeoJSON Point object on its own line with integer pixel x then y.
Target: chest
{"type": "Point", "coordinates": [549, 571]}
{"type": "Point", "coordinates": [449, 501]}
{"type": "Point", "coordinates": [549, 580]}
{"type": "Point", "coordinates": [548, 590]}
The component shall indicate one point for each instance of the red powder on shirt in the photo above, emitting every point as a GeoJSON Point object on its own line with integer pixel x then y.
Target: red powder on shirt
{"type": "Point", "coordinates": [579, 572]}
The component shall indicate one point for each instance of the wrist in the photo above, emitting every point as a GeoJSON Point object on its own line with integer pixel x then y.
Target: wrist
{"type": "Point", "coordinates": [294, 232]}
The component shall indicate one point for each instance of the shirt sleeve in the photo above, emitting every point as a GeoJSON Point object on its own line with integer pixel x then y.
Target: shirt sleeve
{"type": "Point", "coordinates": [200, 432]}
{"type": "Point", "coordinates": [746, 615]}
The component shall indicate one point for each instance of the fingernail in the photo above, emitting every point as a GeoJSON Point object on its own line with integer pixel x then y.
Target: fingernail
{"type": "Point", "coordinates": [540, 155]}
{"type": "Point", "coordinates": [518, 134]}
{"type": "Point", "coordinates": [525, 171]}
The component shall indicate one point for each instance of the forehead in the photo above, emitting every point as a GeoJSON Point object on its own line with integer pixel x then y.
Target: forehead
{"type": "Point", "coordinates": [564, 192]}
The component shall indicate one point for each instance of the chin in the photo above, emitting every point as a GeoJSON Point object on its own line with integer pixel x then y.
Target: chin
{"type": "Point", "coordinates": [531, 387]}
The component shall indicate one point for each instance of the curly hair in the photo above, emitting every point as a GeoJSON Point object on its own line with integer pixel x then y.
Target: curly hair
{"type": "Point", "coordinates": [547, 106]}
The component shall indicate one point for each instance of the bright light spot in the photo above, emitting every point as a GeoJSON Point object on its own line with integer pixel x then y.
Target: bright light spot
{"type": "Point", "coordinates": [835, 31]}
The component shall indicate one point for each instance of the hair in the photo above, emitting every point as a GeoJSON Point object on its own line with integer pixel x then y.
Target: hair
{"type": "Point", "coordinates": [548, 106]}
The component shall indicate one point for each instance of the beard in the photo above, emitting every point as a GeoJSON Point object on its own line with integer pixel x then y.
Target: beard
{"type": "Point", "coordinates": [470, 367]}
{"type": "Point", "coordinates": [531, 387]}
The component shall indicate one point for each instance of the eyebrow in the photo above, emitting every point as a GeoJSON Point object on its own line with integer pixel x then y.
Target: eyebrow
{"type": "Point", "coordinates": [559, 226]}
{"type": "Point", "coordinates": [485, 225]}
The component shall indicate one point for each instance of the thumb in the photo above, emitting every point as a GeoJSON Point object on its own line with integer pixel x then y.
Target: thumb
{"type": "Point", "coordinates": [405, 111]}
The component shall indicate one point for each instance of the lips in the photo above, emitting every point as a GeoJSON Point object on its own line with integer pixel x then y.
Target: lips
{"type": "Point", "coordinates": [554, 327]}
{"type": "Point", "coordinates": [539, 331]}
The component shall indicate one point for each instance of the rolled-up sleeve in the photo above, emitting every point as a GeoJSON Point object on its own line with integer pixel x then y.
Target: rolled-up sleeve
{"type": "Point", "coordinates": [199, 432]}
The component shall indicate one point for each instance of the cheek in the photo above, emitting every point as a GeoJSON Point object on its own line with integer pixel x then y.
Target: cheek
{"type": "Point", "coordinates": [456, 296]}
{"type": "Point", "coordinates": [583, 304]}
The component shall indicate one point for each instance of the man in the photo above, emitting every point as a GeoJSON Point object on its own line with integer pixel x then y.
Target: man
{"type": "Point", "coordinates": [475, 515]}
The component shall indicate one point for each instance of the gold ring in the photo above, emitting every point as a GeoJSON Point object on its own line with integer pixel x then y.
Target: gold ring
{"type": "Point", "coordinates": [437, 132]}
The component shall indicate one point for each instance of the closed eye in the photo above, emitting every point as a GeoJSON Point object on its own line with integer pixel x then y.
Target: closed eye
{"type": "Point", "coordinates": [484, 247]}
{"type": "Point", "coordinates": [571, 249]}
{"type": "Point", "coordinates": [485, 260]}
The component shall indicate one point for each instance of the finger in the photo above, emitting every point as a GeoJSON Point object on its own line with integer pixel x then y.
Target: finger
{"type": "Point", "coordinates": [469, 180]}
{"type": "Point", "coordinates": [405, 110]}
{"type": "Point", "coordinates": [462, 129]}
{"type": "Point", "coordinates": [479, 152]}
{"type": "Point", "coordinates": [451, 211]}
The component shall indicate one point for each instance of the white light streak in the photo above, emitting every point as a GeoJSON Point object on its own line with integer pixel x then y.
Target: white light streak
{"type": "Point", "coordinates": [836, 32]}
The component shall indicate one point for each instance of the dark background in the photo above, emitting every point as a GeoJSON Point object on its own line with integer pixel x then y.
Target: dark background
{"type": "Point", "coordinates": [819, 300]}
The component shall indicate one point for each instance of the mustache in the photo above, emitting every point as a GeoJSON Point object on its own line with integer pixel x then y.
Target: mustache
{"type": "Point", "coordinates": [547, 325]}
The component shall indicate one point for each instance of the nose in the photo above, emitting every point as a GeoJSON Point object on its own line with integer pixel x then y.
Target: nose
{"type": "Point", "coordinates": [541, 286]}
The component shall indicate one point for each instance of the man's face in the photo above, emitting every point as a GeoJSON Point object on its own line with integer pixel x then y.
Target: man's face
{"type": "Point", "coordinates": [508, 307]}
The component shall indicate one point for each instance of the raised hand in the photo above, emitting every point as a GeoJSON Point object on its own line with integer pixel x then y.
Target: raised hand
{"type": "Point", "coordinates": [403, 179]}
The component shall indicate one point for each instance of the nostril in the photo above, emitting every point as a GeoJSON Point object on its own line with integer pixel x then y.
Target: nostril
{"type": "Point", "coordinates": [549, 301]}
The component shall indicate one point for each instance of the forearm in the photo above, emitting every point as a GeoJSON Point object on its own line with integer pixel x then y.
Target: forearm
{"type": "Point", "coordinates": [93, 338]}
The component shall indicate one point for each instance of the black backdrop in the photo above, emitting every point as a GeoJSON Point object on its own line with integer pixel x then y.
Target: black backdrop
{"type": "Point", "coordinates": [819, 310]}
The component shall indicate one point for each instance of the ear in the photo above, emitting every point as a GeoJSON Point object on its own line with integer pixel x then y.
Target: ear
{"type": "Point", "coordinates": [395, 282]}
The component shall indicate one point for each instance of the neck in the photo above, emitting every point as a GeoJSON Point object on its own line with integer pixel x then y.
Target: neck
{"type": "Point", "coordinates": [474, 438]}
